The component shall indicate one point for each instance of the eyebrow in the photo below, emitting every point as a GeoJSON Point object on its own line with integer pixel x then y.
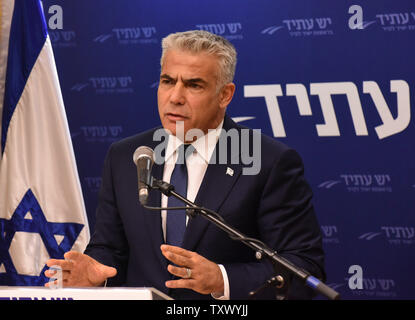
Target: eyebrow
{"type": "Point", "coordinates": [192, 80]}
{"type": "Point", "coordinates": [166, 76]}
{"type": "Point", "coordinates": [195, 80]}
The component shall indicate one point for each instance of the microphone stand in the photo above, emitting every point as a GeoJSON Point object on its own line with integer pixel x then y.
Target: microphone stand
{"type": "Point", "coordinates": [259, 247]}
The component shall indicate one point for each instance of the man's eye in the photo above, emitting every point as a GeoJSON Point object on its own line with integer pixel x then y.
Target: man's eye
{"type": "Point", "coordinates": [166, 81]}
{"type": "Point", "coordinates": [194, 85]}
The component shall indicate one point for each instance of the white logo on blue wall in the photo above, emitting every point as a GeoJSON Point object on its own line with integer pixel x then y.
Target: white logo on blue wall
{"type": "Point", "coordinates": [106, 85]}
{"type": "Point", "coordinates": [63, 38]}
{"type": "Point", "coordinates": [360, 183]}
{"type": "Point", "coordinates": [129, 36]}
{"type": "Point", "coordinates": [388, 22]}
{"type": "Point", "coordinates": [397, 21]}
{"type": "Point", "coordinates": [228, 30]}
{"type": "Point", "coordinates": [372, 286]}
{"type": "Point", "coordinates": [302, 27]}
{"type": "Point", "coordinates": [359, 284]}
{"type": "Point", "coordinates": [394, 235]}
{"type": "Point", "coordinates": [330, 234]}
{"type": "Point", "coordinates": [102, 134]}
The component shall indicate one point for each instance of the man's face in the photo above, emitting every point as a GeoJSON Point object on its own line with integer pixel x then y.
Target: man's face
{"type": "Point", "coordinates": [187, 92]}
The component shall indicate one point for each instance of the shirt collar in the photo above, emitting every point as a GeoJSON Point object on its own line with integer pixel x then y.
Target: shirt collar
{"type": "Point", "coordinates": [204, 145]}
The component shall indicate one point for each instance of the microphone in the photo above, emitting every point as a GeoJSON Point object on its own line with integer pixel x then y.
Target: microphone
{"type": "Point", "coordinates": [143, 158]}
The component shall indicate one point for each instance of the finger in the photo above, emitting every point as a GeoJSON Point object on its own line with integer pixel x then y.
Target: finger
{"type": "Point", "coordinates": [177, 259]}
{"type": "Point", "coordinates": [72, 255]}
{"type": "Point", "coordinates": [177, 271]}
{"type": "Point", "coordinates": [176, 250]}
{"type": "Point", "coordinates": [64, 264]}
{"type": "Point", "coordinates": [52, 273]}
{"type": "Point", "coordinates": [109, 272]}
{"type": "Point", "coordinates": [64, 281]}
{"type": "Point", "coordinates": [54, 262]}
{"type": "Point", "coordinates": [55, 282]}
{"type": "Point", "coordinates": [181, 283]}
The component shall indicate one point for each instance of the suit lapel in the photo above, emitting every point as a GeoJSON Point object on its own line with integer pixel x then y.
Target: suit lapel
{"type": "Point", "coordinates": [215, 188]}
{"type": "Point", "coordinates": [218, 181]}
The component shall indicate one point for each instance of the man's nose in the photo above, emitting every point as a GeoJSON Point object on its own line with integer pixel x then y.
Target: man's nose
{"type": "Point", "coordinates": [177, 94]}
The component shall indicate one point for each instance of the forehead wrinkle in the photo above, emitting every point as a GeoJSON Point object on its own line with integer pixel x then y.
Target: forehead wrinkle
{"type": "Point", "coordinates": [185, 80]}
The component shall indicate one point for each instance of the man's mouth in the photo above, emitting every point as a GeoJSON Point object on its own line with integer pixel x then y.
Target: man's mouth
{"type": "Point", "coordinates": [175, 117]}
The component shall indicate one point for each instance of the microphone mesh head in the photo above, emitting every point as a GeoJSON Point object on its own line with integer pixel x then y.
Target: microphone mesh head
{"type": "Point", "coordinates": [143, 151]}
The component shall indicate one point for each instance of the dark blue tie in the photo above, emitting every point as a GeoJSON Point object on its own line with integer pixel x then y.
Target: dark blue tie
{"type": "Point", "coordinates": [176, 219]}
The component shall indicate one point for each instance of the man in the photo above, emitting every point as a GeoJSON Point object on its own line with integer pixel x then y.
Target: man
{"type": "Point", "coordinates": [133, 246]}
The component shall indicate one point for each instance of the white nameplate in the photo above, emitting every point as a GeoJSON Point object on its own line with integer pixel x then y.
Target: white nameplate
{"type": "Point", "coordinates": [116, 293]}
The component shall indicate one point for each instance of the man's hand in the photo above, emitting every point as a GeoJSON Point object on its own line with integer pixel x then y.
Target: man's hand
{"type": "Point", "coordinates": [80, 270]}
{"type": "Point", "coordinates": [205, 277]}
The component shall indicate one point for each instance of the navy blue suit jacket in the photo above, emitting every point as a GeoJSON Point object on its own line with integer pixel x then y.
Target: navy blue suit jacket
{"type": "Point", "coordinates": [274, 206]}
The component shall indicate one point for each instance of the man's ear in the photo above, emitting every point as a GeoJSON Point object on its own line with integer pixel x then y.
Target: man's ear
{"type": "Point", "coordinates": [226, 95]}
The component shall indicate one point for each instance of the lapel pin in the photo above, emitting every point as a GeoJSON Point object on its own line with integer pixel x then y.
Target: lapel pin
{"type": "Point", "coordinates": [229, 171]}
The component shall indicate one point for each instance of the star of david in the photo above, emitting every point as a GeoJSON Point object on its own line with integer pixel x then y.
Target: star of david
{"type": "Point", "coordinates": [37, 224]}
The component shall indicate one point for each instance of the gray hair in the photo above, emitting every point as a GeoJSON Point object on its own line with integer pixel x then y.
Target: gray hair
{"type": "Point", "coordinates": [196, 41]}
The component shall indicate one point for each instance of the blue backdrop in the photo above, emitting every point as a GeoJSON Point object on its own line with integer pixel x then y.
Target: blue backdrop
{"type": "Point", "coordinates": [340, 95]}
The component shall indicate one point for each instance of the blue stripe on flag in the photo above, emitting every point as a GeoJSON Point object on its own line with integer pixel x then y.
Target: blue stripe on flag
{"type": "Point", "coordinates": [28, 34]}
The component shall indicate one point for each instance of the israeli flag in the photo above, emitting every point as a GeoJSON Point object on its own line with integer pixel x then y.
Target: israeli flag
{"type": "Point", "coordinates": [42, 213]}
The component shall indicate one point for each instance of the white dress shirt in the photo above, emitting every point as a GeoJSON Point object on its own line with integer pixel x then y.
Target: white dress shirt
{"type": "Point", "coordinates": [196, 164]}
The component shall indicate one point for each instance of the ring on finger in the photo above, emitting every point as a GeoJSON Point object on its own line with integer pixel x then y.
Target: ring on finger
{"type": "Point", "coordinates": [188, 273]}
